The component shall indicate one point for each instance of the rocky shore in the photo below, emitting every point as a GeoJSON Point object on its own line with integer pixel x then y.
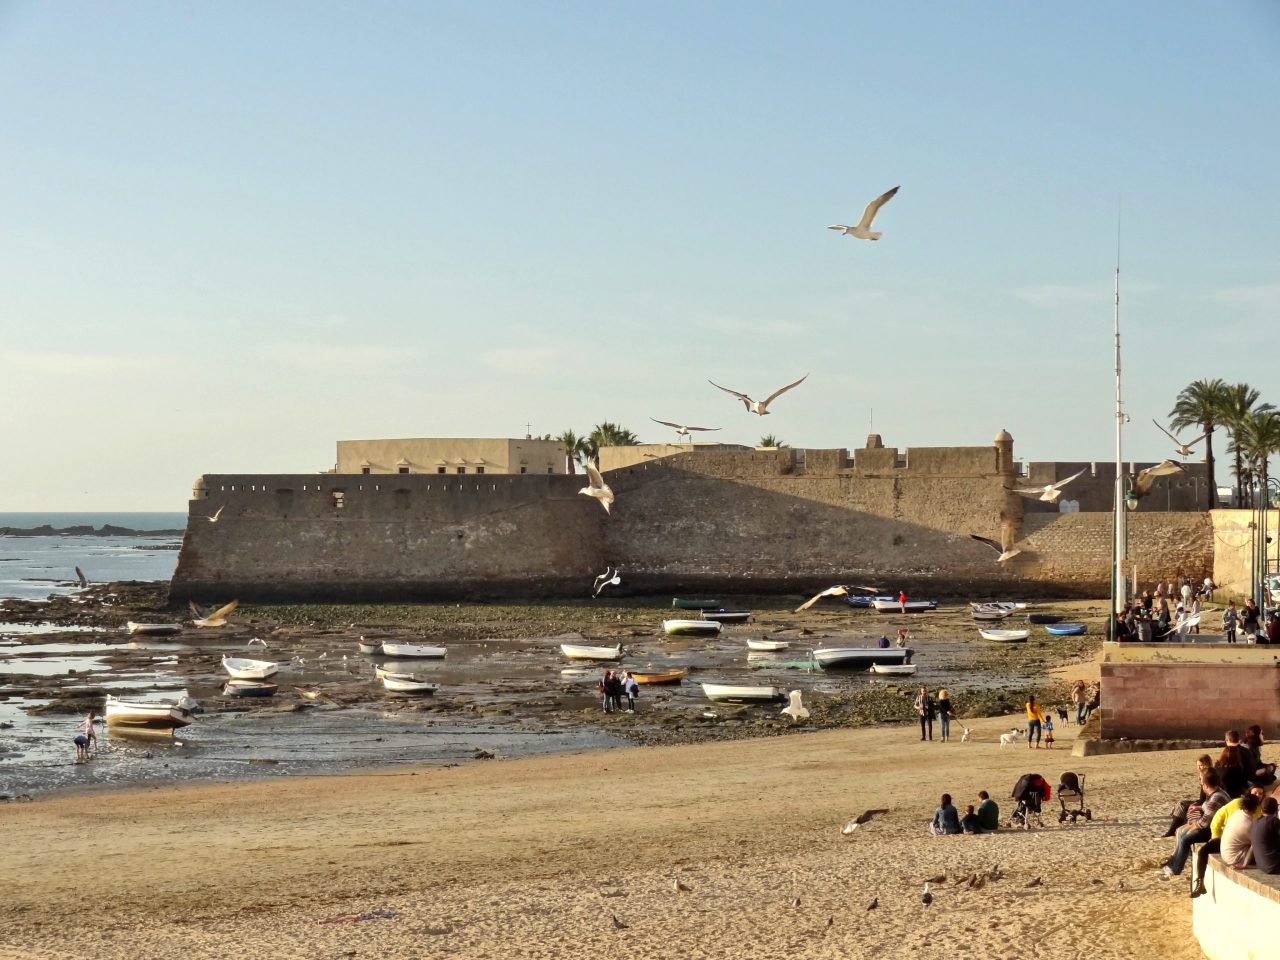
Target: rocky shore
{"type": "Point", "coordinates": [106, 530]}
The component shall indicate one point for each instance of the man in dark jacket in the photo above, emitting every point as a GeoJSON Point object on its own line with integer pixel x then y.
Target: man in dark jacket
{"type": "Point", "coordinates": [1265, 838]}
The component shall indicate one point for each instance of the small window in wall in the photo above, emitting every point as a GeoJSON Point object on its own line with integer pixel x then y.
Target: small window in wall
{"type": "Point", "coordinates": [404, 469]}
{"type": "Point", "coordinates": [462, 470]}
{"type": "Point", "coordinates": [364, 470]}
{"type": "Point", "coordinates": [479, 469]}
{"type": "Point", "coordinates": [549, 469]}
{"type": "Point", "coordinates": [338, 499]}
{"type": "Point", "coordinates": [440, 469]}
{"type": "Point", "coordinates": [524, 469]}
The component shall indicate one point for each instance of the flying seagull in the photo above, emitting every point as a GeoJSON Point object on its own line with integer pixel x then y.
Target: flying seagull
{"type": "Point", "coordinates": [682, 429]}
{"type": "Point", "coordinates": [1003, 550]}
{"type": "Point", "coordinates": [1050, 492]}
{"type": "Point", "coordinates": [760, 408]}
{"type": "Point", "coordinates": [216, 514]}
{"type": "Point", "coordinates": [219, 617]}
{"type": "Point", "coordinates": [863, 230]}
{"type": "Point", "coordinates": [84, 581]}
{"type": "Point", "coordinates": [596, 487]}
{"type": "Point", "coordinates": [927, 897]}
{"type": "Point", "coordinates": [605, 580]}
{"type": "Point", "coordinates": [864, 817]}
{"type": "Point", "coordinates": [1146, 479]}
{"type": "Point", "coordinates": [839, 590]}
{"type": "Point", "coordinates": [796, 710]}
{"type": "Point", "coordinates": [1184, 449]}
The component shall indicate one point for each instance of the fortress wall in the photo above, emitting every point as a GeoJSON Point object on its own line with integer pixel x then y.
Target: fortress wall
{"type": "Point", "coordinates": [1095, 490]}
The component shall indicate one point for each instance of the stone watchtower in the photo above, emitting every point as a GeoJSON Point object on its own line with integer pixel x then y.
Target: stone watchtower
{"type": "Point", "coordinates": [1011, 506]}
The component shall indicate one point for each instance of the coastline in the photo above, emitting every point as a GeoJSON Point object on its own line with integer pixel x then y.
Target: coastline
{"type": "Point", "coordinates": [530, 857]}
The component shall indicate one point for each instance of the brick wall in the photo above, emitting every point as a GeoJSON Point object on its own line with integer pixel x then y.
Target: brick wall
{"type": "Point", "coordinates": [1188, 700]}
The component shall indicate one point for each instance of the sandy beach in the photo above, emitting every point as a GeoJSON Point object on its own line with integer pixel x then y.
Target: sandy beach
{"type": "Point", "coordinates": [532, 857]}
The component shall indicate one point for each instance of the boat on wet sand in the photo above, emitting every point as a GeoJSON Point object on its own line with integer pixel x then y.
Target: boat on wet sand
{"type": "Point", "coordinates": [249, 688]}
{"type": "Point", "coordinates": [579, 651]}
{"type": "Point", "coordinates": [983, 615]}
{"type": "Point", "coordinates": [146, 715]}
{"type": "Point", "coordinates": [656, 676]}
{"type": "Point", "coordinates": [894, 669]}
{"type": "Point", "coordinates": [399, 683]}
{"type": "Point", "coordinates": [681, 604]}
{"type": "Point", "coordinates": [241, 668]}
{"type": "Point", "coordinates": [153, 629]}
{"type": "Point", "coordinates": [859, 658]}
{"type": "Point", "coordinates": [727, 616]}
{"type": "Point", "coordinates": [691, 628]}
{"type": "Point", "coordinates": [767, 645]}
{"type": "Point", "coordinates": [1006, 636]}
{"type": "Point", "coordinates": [1066, 629]}
{"type": "Point", "coordinates": [725, 693]}
{"type": "Point", "coordinates": [414, 650]}
{"type": "Point", "coordinates": [911, 606]}
{"type": "Point", "coordinates": [369, 646]}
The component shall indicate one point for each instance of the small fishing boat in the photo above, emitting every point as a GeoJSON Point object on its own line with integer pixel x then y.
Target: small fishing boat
{"type": "Point", "coordinates": [308, 691]}
{"type": "Point", "coordinates": [1006, 636]}
{"type": "Point", "coordinates": [1066, 629]}
{"type": "Point", "coordinates": [727, 616]}
{"type": "Point", "coordinates": [859, 658]}
{"type": "Point", "coordinates": [415, 650]}
{"type": "Point", "coordinates": [987, 616]}
{"type": "Point", "coordinates": [766, 645]}
{"type": "Point", "coordinates": [864, 601]}
{"type": "Point", "coordinates": [153, 629]}
{"type": "Point", "coordinates": [691, 628]}
{"type": "Point", "coordinates": [241, 668]}
{"type": "Point", "coordinates": [1008, 605]}
{"type": "Point", "coordinates": [1043, 618]}
{"type": "Point", "coordinates": [578, 651]}
{"type": "Point", "coordinates": [894, 669]}
{"type": "Point", "coordinates": [577, 672]}
{"type": "Point", "coordinates": [680, 604]}
{"type": "Point", "coordinates": [724, 693]}
{"type": "Point", "coordinates": [249, 688]}
{"type": "Point", "coordinates": [146, 715]}
{"type": "Point", "coordinates": [407, 684]}
{"type": "Point", "coordinates": [656, 675]}
{"type": "Point", "coordinates": [369, 646]}
{"type": "Point", "coordinates": [911, 606]}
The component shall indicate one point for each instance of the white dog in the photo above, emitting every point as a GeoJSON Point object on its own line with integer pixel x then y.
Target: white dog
{"type": "Point", "coordinates": [964, 736]}
{"type": "Point", "coordinates": [1013, 736]}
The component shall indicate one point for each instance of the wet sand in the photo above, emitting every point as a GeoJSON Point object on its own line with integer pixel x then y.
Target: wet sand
{"type": "Point", "coordinates": [530, 858]}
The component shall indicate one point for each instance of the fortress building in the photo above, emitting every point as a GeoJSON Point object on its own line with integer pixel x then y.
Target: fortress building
{"type": "Point", "coordinates": [719, 519]}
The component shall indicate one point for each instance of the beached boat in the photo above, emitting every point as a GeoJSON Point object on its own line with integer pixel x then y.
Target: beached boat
{"type": "Point", "coordinates": [766, 645]}
{"type": "Point", "coordinates": [727, 616]}
{"type": "Point", "coordinates": [578, 651]}
{"type": "Point", "coordinates": [403, 684]}
{"type": "Point", "coordinates": [308, 691]}
{"type": "Point", "coordinates": [724, 693]}
{"type": "Point", "coordinates": [1043, 618]}
{"type": "Point", "coordinates": [655, 675]}
{"type": "Point", "coordinates": [680, 604]}
{"type": "Point", "coordinates": [146, 715]}
{"type": "Point", "coordinates": [894, 669]}
{"type": "Point", "coordinates": [415, 650]}
{"type": "Point", "coordinates": [241, 668]}
{"type": "Point", "coordinates": [1066, 629]}
{"type": "Point", "coordinates": [153, 629]}
{"type": "Point", "coordinates": [691, 628]}
{"type": "Point", "coordinates": [859, 658]}
{"type": "Point", "coordinates": [577, 672]}
{"type": "Point", "coordinates": [249, 688]}
{"type": "Point", "coordinates": [1006, 636]}
{"type": "Point", "coordinates": [988, 616]}
{"type": "Point", "coordinates": [369, 646]}
{"type": "Point", "coordinates": [1009, 605]}
{"type": "Point", "coordinates": [864, 600]}
{"type": "Point", "coordinates": [911, 606]}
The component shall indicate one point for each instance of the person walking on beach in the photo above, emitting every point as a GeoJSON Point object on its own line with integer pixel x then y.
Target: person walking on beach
{"type": "Point", "coordinates": [1230, 619]}
{"type": "Point", "coordinates": [945, 713]}
{"type": "Point", "coordinates": [1078, 695]}
{"type": "Point", "coordinates": [1035, 719]}
{"type": "Point", "coordinates": [924, 710]}
{"type": "Point", "coordinates": [632, 690]}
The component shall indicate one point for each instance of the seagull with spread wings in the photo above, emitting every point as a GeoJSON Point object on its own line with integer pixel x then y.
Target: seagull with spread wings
{"type": "Point", "coordinates": [1184, 449]}
{"type": "Point", "coordinates": [864, 817]}
{"type": "Point", "coordinates": [1146, 479]}
{"type": "Point", "coordinates": [610, 578]}
{"type": "Point", "coordinates": [681, 429]}
{"type": "Point", "coordinates": [1050, 492]}
{"type": "Point", "coordinates": [216, 514]}
{"type": "Point", "coordinates": [1003, 547]}
{"type": "Point", "coordinates": [219, 617]}
{"type": "Point", "coordinates": [84, 581]}
{"type": "Point", "coordinates": [760, 408]}
{"type": "Point", "coordinates": [839, 590]}
{"type": "Point", "coordinates": [596, 487]}
{"type": "Point", "coordinates": [863, 229]}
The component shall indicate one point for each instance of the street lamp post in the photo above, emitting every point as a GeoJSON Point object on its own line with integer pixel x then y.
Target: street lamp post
{"type": "Point", "coordinates": [1261, 538]}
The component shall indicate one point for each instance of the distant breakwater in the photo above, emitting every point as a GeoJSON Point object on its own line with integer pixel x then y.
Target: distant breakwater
{"type": "Point", "coordinates": [107, 530]}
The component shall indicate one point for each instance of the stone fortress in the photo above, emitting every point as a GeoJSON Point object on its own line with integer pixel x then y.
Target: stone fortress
{"type": "Point", "coordinates": [401, 520]}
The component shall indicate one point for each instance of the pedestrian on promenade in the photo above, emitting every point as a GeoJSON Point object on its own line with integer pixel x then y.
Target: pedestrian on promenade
{"type": "Point", "coordinates": [1230, 619]}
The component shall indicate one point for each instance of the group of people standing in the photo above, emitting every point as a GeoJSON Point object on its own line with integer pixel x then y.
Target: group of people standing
{"type": "Point", "coordinates": [927, 707]}
{"type": "Point", "coordinates": [613, 686]}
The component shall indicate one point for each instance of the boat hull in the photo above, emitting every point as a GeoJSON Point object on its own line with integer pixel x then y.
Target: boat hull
{"type": "Point", "coordinates": [766, 646]}
{"type": "Point", "coordinates": [1066, 629]}
{"type": "Point", "coordinates": [153, 629]}
{"type": "Point", "coordinates": [369, 647]}
{"type": "Point", "coordinates": [724, 693]}
{"type": "Point", "coordinates": [864, 601]}
{"type": "Point", "coordinates": [241, 669]}
{"type": "Point", "coordinates": [575, 651]}
{"type": "Point", "coordinates": [894, 669]}
{"type": "Point", "coordinates": [911, 606]}
{"type": "Point", "coordinates": [394, 684]}
{"type": "Point", "coordinates": [415, 651]}
{"type": "Point", "coordinates": [1005, 636]}
{"type": "Point", "coordinates": [249, 688]}
{"type": "Point", "coordinates": [860, 658]}
{"type": "Point", "coordinates": [137, 715]}
{"type": "Point", "coordinates": [659, 677]}
{"type": "Point", "coordinates": [727, 616]}
{"type": "Point", "coordinates": [681, 604]}
{"type": "Point", "coordinates": [691, 628]}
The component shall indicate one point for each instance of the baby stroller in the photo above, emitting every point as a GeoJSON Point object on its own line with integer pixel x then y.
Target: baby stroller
{"type": "Point", "coordinates": [1030, 792]}
{"type": "Point", "coordinates": [1071, 798]}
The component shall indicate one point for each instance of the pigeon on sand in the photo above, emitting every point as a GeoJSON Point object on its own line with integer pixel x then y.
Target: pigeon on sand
{"type": "Point", "coordinates": [761, 407]}
{"type": "Point", "coordinates": [862, 230]}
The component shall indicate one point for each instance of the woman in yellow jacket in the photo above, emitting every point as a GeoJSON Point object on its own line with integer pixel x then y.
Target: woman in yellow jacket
{"type": "Point", "coordinates": [1035, 721]}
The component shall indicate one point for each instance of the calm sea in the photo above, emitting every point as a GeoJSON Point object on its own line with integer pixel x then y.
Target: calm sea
{"type": "Point", "coordinates": [31, 568]}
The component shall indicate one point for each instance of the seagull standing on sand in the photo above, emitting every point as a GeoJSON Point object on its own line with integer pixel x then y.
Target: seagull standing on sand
{"type": "Point", "coordinates": [795, 710]}
{"type": "Point", "coordinates": [596, 487]}
{"type": "Point", "coordinates": [927, 897]}
{"type": "Point", "coordinates": [682, 429]}
{"type": "Point", "coordinates": [863, 229]}
{"type": "Point", "coordinates": [1050, 492]}
{"type": "Point", "coordinates": [759, 408]}
{"type": "Point", "coordinates": [1184, 449]}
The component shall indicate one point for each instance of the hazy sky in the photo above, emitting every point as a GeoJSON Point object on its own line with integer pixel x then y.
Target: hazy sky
{"type": "Point", "coordinates": [231, 234]}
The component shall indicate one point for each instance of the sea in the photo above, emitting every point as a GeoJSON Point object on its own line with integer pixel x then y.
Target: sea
{"type": "Point", "coordinates": [32, 568]}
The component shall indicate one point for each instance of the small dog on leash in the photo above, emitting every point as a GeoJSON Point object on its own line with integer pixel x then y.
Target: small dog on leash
{"type": "Point", "coordinates": [965, 735]}
{"type": "Point", "coordinates": [1062, 714]}
{"type": "Point", "coordinates": [1013, 736]}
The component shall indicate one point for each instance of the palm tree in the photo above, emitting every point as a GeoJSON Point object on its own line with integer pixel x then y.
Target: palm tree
{"type": "Point", "coordinates": [608, 434]}
{"type": "Point", "coordinates": [1236, 410]}
{"type": "Point", "coordinates": [1259, 440]}
{"type": "Point", "coordinates": [576, 448]}
{"type": "Point", "coordinates": [769, 440]}
{"type": "Point", "coordinates": [1198, 406]}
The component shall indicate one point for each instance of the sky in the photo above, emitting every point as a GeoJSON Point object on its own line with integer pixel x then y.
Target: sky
{"type": "Point", "coordinates": [232, 234]}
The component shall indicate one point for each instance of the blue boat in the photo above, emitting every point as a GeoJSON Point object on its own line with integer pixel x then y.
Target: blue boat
{"type": "Point", "coordinates": [1066, 629]}
{"type": "Point", "coordinates": [865, 600]}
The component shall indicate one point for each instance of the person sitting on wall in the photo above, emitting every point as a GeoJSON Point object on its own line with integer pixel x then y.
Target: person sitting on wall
{"type": "Point", "coordinates": [1186, 810]}
{"type": "Point", "coordinates": [1265, 838]}
{"type": "Point", "coordinates": [1120, 629]}
{"type": "Point", "coordinates": [1264, 774]}
{"type": "Point", "coordinates": [1233, 766]}
{"type": "Point", "coordinates": [1199, 823]}
{"type": "Point", "coordinates": [1216, 827]}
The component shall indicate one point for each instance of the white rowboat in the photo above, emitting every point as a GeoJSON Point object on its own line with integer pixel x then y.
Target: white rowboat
{"type": "Point", "coordinates": [1008, 605]}
{"type": "Point", "coordinates": [988, 616]}
{"type": "Point", "coordinates": [153, 629]}
{"type": "Point", "coordinates": [140, 715]}
{"type": "Point", "coordinates": [894, 669]}
{"type": "Point", "coordinates": [577, 651]}
{"type": "Point", "coordinates": [911, 606]}
{"type": "Point", "coordinates": [767, 645]}
{"type": "Point", "coordinates": [412, 650]}
{"type": "Point", "coordinates": [691, 628]}
{"type": "Point", "coordinates": [856, 658]}
{"type": "Point", "coordinates": [723, 693]}
{"type": "Point", "coordinates": [369, 646]}
{"type": "Point", "coordinates": [402, 684]}
{"type": "Point", "coordinates": [243, 669]}
{"type": "Point", "coordinates": [1006, 636]}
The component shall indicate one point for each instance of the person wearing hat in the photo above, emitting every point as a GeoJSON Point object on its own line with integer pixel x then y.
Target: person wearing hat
{"type": "Point", "coordinates": [943, 707]}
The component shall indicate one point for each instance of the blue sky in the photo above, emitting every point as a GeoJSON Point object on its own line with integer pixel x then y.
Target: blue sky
{"type": "Point", "coordinates": [235, 233]}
